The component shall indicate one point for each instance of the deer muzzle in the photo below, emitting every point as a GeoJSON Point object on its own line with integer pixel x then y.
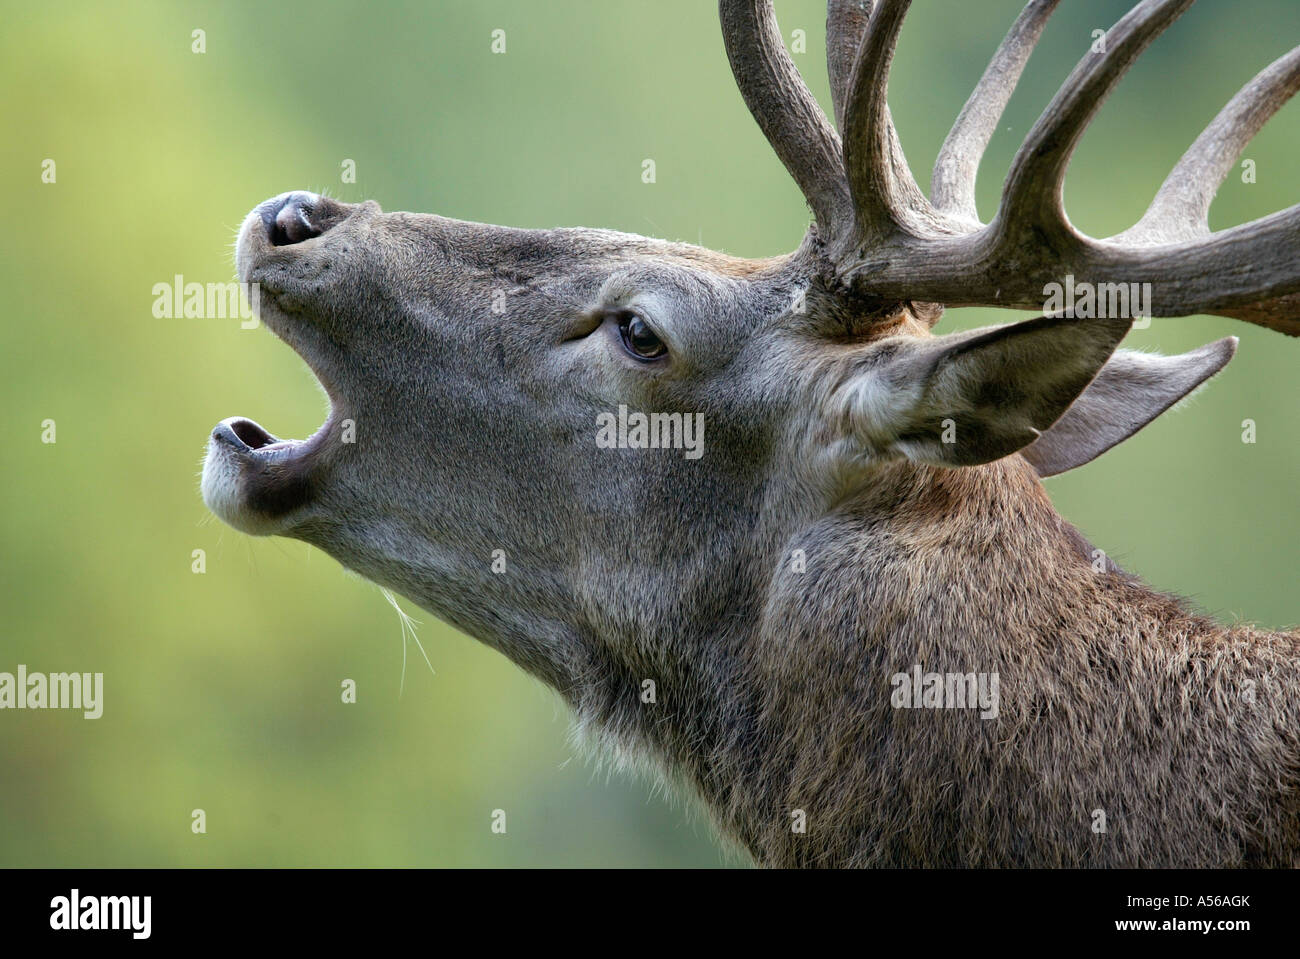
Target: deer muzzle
{"type": "Point", "coordinates": [252, 479]}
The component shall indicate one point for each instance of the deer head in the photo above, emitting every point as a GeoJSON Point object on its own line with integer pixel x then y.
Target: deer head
{"type": "Point", "coordinates": [471, 368]}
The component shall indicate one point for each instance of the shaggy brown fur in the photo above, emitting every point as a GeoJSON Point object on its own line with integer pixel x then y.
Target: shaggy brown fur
{"type": "Point", "coordinates": [1113, 698]}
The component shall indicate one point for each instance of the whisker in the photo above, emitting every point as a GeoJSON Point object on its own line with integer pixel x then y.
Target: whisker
{"type": "Point", "coordinates": [408, 628]}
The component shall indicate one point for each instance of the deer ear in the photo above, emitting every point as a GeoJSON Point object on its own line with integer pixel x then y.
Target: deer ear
{"type": "Point", "coordinates": [971, 398]}
{"type": "Point", "coordinates": [1131, 390]}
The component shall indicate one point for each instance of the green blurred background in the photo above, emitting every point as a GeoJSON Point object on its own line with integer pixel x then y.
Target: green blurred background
{"type": "Point", "coordinates": [223, 689]}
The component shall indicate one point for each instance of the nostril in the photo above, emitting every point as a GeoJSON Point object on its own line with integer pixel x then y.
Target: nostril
{"type": "Point", "coordinates": [289, 220]}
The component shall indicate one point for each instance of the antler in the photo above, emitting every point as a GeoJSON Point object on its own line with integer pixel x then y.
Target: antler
{"type": "Point", "coordinates": [953, 179]}
{"type": "Point", "coordinates": [785, 109]}
{"type": "Point", "coordinates": [889, 241]}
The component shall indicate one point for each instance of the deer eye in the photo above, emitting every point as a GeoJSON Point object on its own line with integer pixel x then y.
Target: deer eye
{"type": "Point", "coordinates": [638, 338]}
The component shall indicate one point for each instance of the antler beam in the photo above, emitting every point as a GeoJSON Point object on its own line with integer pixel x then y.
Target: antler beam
{"type": "Point", "coordinates": [887, 240]}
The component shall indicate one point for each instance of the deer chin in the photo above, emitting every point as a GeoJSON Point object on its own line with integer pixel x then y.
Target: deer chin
{"type": "Point", "coordinates": [258, 483]}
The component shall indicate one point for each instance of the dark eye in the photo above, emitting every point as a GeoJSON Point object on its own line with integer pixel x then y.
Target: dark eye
{"type": "Point", "coordinates": [638, 338]}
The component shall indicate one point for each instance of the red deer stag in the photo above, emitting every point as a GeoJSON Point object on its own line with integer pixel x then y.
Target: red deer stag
{"type": "Point", "coordinates": [852, 528]}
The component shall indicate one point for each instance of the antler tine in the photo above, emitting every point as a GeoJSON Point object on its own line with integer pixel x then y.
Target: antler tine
{"type": "Point", "coordinates": [846, 25]}
{"type": "Point", "coordinates": [1181, 208]}
{"type": "Point", "coordinates": [1032, 198]}
{"type": "Point", "coordinates": [885, 195]}
{"type": "Point", "coordinates": [1250, 272]}
{"type": "Point", "coordinates": [952, 185]}
{"type": "Point", "coordinates": [785, 109]}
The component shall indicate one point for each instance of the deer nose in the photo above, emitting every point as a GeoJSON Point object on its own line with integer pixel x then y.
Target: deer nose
{"type": "Point", "coordinates": [288, 218]}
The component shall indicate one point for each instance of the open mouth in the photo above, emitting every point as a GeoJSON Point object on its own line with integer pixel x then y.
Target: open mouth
{"type": "Point", "coordinates": [269, 254]}
{"type": "Point", "coordinates": [238, 430]}
{"type": "Point", "coordinates": [251, 439]}
{"type": "Point", "coordinates": [257, 482]}
{"type": "Point", "coordinates": [253, 479]}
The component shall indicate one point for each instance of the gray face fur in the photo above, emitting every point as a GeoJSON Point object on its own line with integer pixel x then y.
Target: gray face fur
{"type": "Point", "coordinates": [469, 366]}
{"type": "Point", "coordinates": [473, 362]}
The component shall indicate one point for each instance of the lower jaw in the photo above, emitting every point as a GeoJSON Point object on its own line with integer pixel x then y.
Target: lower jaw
{"type": "Point", "coordinates": [260, 489]}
